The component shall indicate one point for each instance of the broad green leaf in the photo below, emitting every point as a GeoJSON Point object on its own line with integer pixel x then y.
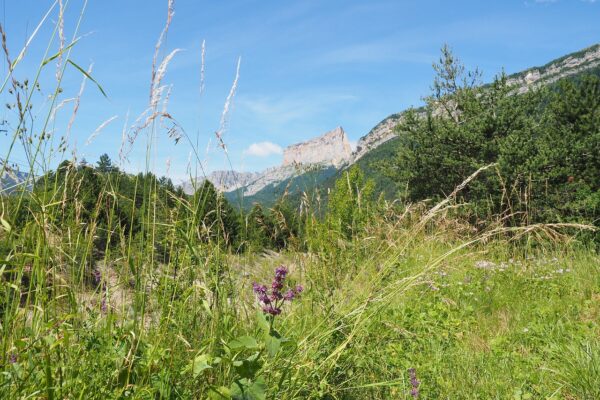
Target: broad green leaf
{"type": "Point", "coordinates": [272, 344]}
{"type": "Point", "coordinates": [244, 389]}
{"type": "Point", "coordinates": [262, 322]}
{"type": "Point", "coordinates": [249, 367]}
{"type": "Point", "coordinates": [220, 393]}
{"type": "Point", "coordinates": [200, 363]}
{"type": "Point", "coordinates": [246, 342]}
{"type": "Point", "coordinates": [257, 390]}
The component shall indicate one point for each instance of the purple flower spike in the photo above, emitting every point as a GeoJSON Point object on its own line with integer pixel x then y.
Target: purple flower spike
{"type": "Point", "coordinates": [280, 273]}
{"type": "Point", "coordinates": [414, 383]}
{"type": "Point", "coordinates": [13, 358]}
{"type": "Point", "coordinates": [272, 298]}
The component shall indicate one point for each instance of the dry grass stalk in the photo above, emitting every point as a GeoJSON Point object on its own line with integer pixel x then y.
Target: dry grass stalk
{"type": "Point", "coordinates": [226, 108]}
{"type": "Point", "coordinates": [61, 39]}
{"type": "Point", "coordinates": [99, 129]}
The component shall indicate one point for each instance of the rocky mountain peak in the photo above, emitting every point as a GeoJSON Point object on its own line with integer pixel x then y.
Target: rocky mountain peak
{"type": "Point", "coordinates": [331, 148]}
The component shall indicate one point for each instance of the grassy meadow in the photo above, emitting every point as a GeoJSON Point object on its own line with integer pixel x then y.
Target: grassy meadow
{"type": "Point", "coordinates": [121, 286]}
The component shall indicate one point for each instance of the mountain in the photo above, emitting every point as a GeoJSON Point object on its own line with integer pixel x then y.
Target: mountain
{"type": "Point", "coordinates": [586, 60]}
{"type": "Point", "coordinates": [318, 162]}
{"type": "Point", "coordinates": [224, 181]}
{"type": "Point", "coordinates": [12, 179]}
{"type": "Point", "coordinates": [331, 148]}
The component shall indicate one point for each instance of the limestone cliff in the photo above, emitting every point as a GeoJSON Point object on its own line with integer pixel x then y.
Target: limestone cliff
{"type": "Point", "coordinates": [331, 148]}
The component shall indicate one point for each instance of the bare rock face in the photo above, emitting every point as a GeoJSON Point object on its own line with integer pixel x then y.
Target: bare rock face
{"type": "Point", "coordinates": [555, 70]}
{"type": "Point", "coordinates": [380, 134]}
{"type": "Point", "coordinates": [224, 181]}
{"type": "Point", "coordinates": [271, 176]}
{"type": "Point", "coordinates": [331, 148]}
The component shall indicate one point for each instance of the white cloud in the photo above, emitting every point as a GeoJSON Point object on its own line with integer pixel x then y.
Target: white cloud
{"type": "Point", "coordinates": [263, 149]}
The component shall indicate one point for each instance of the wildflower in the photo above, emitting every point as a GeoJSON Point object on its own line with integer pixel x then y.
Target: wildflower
{"type": "Point", "coordinates": [270, 309]}
{"type": "Point", "coordinates": [259, 289]}
{"type": "Point", "coordinates": [272, 300]}
{"type": "Point", "coordinates": [103, 305]}
{"type": "Point", "coordinates": [13, 358]}
{"type": "Point", "coordinates": [414, 383]}
{"type": "Point", "coordinates": [96, 277]}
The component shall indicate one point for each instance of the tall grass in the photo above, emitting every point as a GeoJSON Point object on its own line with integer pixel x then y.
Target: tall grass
{"type": "Point", "coordinates": [167, 310]}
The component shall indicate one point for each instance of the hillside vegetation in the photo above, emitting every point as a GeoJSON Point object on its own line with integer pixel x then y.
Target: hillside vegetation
{"type": "Point", "coordinates": [475, 276]}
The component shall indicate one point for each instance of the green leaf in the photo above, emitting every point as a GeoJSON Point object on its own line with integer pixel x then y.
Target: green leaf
{"type": "Point", "coordinates": [244, 389]}
{"type": "Point", "coordinates": [272, 344]}
{"type": "Point", "coordinates": [88, 76]}
{"type": "Point", "coordinates": [200, 364]}
{"type": "Point", "coordinates": [246, 342]}
{"type": "Point", "coordinates": [220, 393]}
{"type": "Point", "coordinates": [258, 389]}
{"type": "Point", "coordinates": [249, 367]}
{"type": "Point", "coordinates": [263, 324]}
{"type": "Point", "coordinates": [58, 54]}
{"type": "Point", "coordinates": [5, 224]}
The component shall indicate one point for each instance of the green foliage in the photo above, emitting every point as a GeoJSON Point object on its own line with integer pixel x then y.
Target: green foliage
{"type": "Point", "coordinates": [545, 144]}
{"type": "Point", "coordinates": [351, 202]}
{"type": "Point", "coordinates": [105, 164]}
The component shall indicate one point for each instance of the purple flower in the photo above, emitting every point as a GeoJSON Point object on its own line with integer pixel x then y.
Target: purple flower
{"type": "Point", "coordinates": [263, 298]}
{"type": "Point", "coordinates": [280, 273]}
{"type": "Point", "coordinates": [271, 310]}
{"type": "Point", "coordinates": [414, 383]}
{"type": "Point", "coordinates": [289, 295]}
{"type": "Point", "coordinates": [271, 299]}
{"type": "Point", "coordinates": [259, 289]}
{"type": "Point", "coordinates": [13, 358]}
{"type": "Point", "coordinates": [103, 304]}
{"type": "Point", "coordinates": [96, 277]}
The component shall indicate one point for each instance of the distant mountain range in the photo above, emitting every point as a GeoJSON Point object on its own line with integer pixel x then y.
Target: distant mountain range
{"type": "Point", "coordinates": [317, 162]}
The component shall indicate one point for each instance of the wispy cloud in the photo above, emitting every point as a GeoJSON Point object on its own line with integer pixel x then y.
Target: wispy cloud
{"type": "Point", "coordinates": [280, 110]}
{"type": "Point", "coordinates": [384, 50]}
{"type": "Point", "coordinates": [263, 149]}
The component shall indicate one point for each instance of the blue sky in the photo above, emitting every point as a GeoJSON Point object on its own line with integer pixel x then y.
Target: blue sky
{"type": "Point", "coordinates": [306, 66]}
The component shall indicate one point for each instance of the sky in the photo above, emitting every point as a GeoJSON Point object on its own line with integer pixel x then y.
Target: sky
{"type": "Point", "coordinates": [306, 67]}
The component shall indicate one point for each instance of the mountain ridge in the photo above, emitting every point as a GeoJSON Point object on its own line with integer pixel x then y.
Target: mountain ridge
{"type": "Point", "coordinates": [569, 65]}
